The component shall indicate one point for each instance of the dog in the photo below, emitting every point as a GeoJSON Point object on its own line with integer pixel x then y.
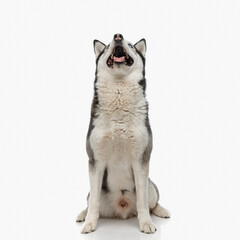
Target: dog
{"type": "Point", "coordinates": [119, 139]}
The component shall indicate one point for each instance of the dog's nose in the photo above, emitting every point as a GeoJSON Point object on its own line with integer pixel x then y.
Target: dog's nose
{"type": "Point", "coordinates": [118, 37]}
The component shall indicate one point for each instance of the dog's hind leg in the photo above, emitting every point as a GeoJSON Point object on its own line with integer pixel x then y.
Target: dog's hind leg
{"type": "Point", "coordinates": [160, 211]}
{"type": "Point", "coordinates": [153, 198]}
{"type": "Point", "coordinates": [81, 217]}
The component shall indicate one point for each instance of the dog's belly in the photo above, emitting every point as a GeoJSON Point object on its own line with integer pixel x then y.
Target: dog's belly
{"type": "Point", "coordinates": [120, 176]}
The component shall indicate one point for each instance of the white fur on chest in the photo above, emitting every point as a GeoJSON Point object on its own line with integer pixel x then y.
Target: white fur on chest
{"type": "Point", "coordinates": [121, 115]}
{"type": "Point", "coordinates": [119, 135]}
{"type": "Point", "coordinates": [122, 106]}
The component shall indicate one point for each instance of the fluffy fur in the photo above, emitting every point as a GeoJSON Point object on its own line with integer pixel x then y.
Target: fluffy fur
{"type": "Point", "coordinates": [119, 140]}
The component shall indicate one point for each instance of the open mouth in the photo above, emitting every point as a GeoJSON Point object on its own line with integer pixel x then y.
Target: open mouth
{"type": "Point", "coordinates": [119, 56]}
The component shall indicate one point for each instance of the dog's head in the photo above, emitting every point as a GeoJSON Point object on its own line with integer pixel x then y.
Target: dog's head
{"type": "Point", "coordinates": [120, 57]}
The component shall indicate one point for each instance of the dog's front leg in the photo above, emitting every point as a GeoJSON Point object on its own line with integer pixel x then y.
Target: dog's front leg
{"type": "Point", "coordinates": [96, 175]}
{"type": "Point", "coordinates": [141, 181]}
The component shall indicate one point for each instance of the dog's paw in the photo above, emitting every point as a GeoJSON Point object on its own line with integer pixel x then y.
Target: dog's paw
{"type": "Point", "coordinates": [81, 217]}
{"type": "Point", "coordinates": [89, 227]}
{"type": "Point", "coordinates": [147, 227]}
{"type": "Point", "coordinates": [161, 212]}
{"type": "Point", "coordinates": [165, 213]}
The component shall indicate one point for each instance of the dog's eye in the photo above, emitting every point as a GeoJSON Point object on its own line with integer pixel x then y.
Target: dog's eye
{"type": "Point", "coordinates": [130, 45]}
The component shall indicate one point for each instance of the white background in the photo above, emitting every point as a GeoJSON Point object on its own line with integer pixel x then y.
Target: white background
{"type": "Point", "coordinates": [47, 69]}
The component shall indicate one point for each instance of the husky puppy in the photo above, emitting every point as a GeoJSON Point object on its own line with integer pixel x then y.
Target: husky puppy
{"type": "Point", "coordinates": [119, 139]}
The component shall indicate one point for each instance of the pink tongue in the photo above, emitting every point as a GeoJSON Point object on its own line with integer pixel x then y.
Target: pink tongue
{"type": "Point", "coordinates": [119, 59]}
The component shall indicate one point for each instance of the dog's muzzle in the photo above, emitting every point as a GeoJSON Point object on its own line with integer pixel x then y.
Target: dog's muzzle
{"type": "Point", "coordinates": [119, 56]}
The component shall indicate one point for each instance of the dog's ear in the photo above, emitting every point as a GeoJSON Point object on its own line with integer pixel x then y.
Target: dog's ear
{"type": "Point", "coordinates": [141, 46]}
{"type": "Point", "coordinates": [98, 47]}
